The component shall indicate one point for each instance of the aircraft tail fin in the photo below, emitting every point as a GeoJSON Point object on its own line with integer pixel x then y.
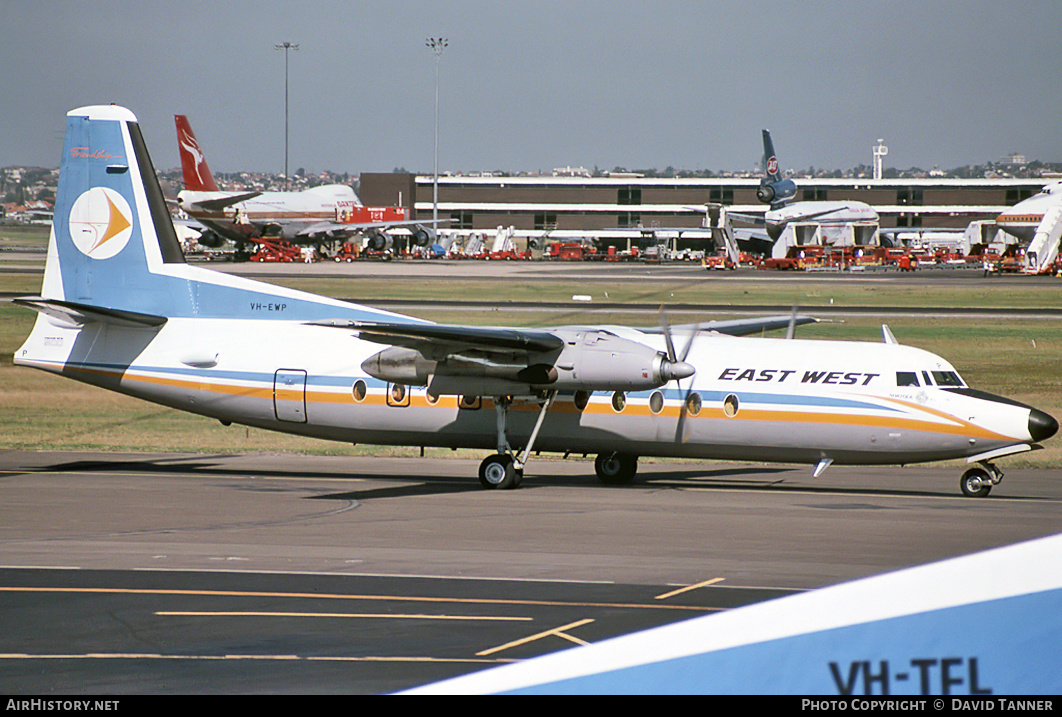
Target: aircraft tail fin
{"type": "Point", "coordinates": [770, 159]}
{"type": "Point", "coordinates": [197, 176]}
{"type": "Point", "coordinates": [114, 257]}
{"type": "Point", "coordinates": [773, 189]}
{"type": "Point", "coordinates": [111, 225]}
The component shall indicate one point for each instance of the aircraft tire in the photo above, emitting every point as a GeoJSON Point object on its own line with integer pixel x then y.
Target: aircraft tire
{"type": "Point", "coordinates": [975, 482]}
{"type": "Point", "coordinates": [616, 468]}
{"type": "Point", "coordinates": [498, 472]}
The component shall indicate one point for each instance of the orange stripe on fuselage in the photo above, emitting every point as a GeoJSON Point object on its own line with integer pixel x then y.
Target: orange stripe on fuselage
{"type": "Point", "coordinates": [946, 424]}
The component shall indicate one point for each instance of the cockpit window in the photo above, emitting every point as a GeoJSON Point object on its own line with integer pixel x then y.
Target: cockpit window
{"type": "Point", "coordinates": [906, 378]}
{"type": "Point", "coordinates": [947, 378]}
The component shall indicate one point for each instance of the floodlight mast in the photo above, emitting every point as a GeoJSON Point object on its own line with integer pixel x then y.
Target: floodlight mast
{"type": "Point", "coordinates": [437, 45]}
{"type": "Point", "coordinates": [286, 46]}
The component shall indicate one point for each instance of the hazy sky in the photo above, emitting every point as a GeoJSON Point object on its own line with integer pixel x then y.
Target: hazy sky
{"type": "Point", "coordinates": [542, 83]}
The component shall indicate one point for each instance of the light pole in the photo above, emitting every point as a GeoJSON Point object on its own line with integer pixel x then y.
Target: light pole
{"type": "Point", "coordinates": [437, 44]}
{"type": "Point", "coordinates": [285, 47]}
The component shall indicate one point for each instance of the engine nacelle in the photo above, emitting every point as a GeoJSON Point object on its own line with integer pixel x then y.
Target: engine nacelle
{"type": "Point", "coordinates": [422, 236]}
{"type": "Point", "coordinates": [775, 192]}
{"type": "Point", "coordinates": [378, 241]}
{"type": "Point", "coordinates": [211, 240]}
{"type": "Point", "coordinates": [400, 365]}
{"type": "Point", "coordinates": [591, 360]}
{"type": "Point", "coordinates": [597, 360]}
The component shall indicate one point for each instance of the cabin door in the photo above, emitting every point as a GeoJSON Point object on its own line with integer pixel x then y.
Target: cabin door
{"type": "Point", "coordinates": [289, 395]}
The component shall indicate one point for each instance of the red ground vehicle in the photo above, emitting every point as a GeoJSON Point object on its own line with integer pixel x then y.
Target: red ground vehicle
{"type": "Point", "coordinates": [717, 261]}
{"type": "Point", "coordinates": [271, 249]}
{"type": "Point", "coordinates": [569, 251]}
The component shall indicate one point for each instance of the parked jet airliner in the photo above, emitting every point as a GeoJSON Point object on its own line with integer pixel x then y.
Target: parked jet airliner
{"type": "Point", "coordinates": [1024, 218]}
{"type": "Point", "coordinates": [303, 217]}
{"type": "Point", "coordinates": [121, 309]}
{"type": "Point", "coordinates": [779, 192]}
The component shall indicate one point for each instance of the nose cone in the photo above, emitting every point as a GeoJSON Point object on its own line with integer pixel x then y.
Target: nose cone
{"type": "Point", "coordinates": [672, 370]}
{"type": "Point", "coordinates": [1041, 425]}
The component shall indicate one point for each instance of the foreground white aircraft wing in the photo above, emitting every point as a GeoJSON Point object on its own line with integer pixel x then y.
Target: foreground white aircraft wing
{"type": "Point", "coordinates": [981, 625]}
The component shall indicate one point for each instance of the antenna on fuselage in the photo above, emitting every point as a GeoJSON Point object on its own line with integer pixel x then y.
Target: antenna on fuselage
{"type": "Point", "coordinates": [887, 334]}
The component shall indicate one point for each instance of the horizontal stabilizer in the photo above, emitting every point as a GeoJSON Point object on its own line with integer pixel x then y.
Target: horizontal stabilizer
{"type": "Point", "coordinates": [72, 313]}
{"type": "Point", "coordinates": [450, 338]}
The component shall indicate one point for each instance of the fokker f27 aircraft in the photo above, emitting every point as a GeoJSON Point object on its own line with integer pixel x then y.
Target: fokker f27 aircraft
{"type": "Point", "coordinates": [121, 309]}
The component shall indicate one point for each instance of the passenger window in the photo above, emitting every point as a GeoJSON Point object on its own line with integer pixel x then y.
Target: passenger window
{"type": "Point", "coordinates": [906, 378]}
{"type": "Point", "coordinates": [397, 395]}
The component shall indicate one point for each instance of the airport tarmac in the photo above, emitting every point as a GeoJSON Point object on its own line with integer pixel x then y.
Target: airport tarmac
{"type": "Point", "coordinates": [598, 271]}
{"type": "Point", "coordinates": [184, 573]}
{"type": "Point", "coordinates": [29, 261]}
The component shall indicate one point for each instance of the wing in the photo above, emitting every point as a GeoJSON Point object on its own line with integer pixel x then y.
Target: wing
{"type": "Point", "coordinates": [352, 227]}
{"type": "Point", "coordinates": [469, 360]}
{"type": "Point", "coordinates": [216, 205]}
{"type": "Point", "coordinates": [810, 215]}
{"type": "Point", "coordinates": [739, 327]}
{"type": "Point", "coordinates": [756, 219]}
{"type": "Point", "coordinates": [439, 338]}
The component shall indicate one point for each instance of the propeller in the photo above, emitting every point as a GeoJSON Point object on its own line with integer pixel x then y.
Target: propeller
{"type": "Point", "coordinates": [679, 369]}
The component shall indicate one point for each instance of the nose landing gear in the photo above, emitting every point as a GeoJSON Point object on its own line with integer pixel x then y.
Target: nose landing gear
{"type": "Point", "coordinates": [977, 481]}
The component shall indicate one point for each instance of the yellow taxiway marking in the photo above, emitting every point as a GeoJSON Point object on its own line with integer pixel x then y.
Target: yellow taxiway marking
{"type": "Point", "coordinates": [704, 584]}
{"type": "Point", "coordinates": [555, 632]}
{"type": "Point", "coordinates": [309, 658]}
{"type": "Point", "coordinates": [425, 616]}
{"type": "Point", "coordinates": [339, 596]}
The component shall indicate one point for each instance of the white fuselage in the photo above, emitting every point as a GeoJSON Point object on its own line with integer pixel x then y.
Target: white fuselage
{"type": "Point", "coordinates": [322, 203]}
{"type": "Point", "coordinates": [826, 213]}
{"type": "Point", "coordinates": [750, 399]}
{"type": "Point", "coordinates": [1023, 219]}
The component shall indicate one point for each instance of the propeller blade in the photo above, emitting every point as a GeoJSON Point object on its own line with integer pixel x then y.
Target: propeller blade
{"type": "Point", "coordinates": [665, 325]}
{"type": "Point", "coordinates": [791, 329]}
{"type": "Point", "coordinates": [689, 343]}
{"type": "Point", "coordinates": [677, 368]}
{"type": "Point", "coordinates": [682, 430]}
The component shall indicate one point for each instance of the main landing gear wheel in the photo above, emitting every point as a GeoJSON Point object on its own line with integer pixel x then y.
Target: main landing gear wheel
{"type": "Point", "coordinates": [498, 471]}
{"type": "Point", "coordinates": [616, 468]}
{"type": "Point", "coordinates": [975, 482]}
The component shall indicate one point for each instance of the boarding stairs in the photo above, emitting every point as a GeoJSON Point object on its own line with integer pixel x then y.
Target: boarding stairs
{"type": "Point", "coordinates": [1043, 249]}
{"type": "Point", "coordinates": [722, 231]}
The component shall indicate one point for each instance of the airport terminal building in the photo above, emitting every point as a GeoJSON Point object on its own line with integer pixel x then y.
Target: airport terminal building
{"type": "Point", "coordinates": [629, 202]}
